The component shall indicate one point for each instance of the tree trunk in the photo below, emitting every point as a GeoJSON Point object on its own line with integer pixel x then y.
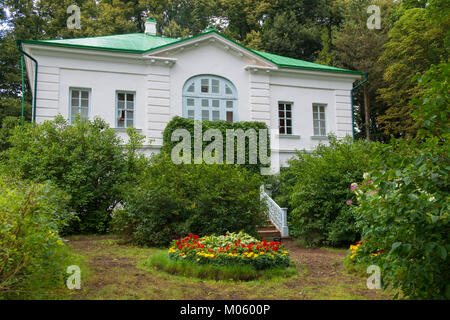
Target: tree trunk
{"type": "Point", "coordinates": [366, 113]}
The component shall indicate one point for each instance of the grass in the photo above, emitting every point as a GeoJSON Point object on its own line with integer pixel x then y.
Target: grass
{"type": "Point", "coordinates": [162, 262]}
{"type": "Point", "coordinates": [117, 271]}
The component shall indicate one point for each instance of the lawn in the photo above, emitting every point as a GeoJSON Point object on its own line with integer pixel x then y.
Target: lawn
{"type": "Point", "coordinates": [115, 271]}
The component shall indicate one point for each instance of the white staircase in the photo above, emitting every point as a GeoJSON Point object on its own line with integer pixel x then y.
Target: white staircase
{"type": "Point", "coordinates": [276, 215]}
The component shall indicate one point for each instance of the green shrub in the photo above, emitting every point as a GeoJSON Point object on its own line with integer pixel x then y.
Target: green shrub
{"type": "Point", "coordinates": [85, 159]}
{"type": "Point", "coordinates": [172, 200]}
{"type": "Point", "coordinates": [316, 188]}
{"type": "Point", "coordinates": [222, 126]}
{"type": "Point", "coordinates": [32, 254]}
{"type": "Point", "coordinates": [162, 262]}
{"type": "Point", "coordinates": [404, 218]}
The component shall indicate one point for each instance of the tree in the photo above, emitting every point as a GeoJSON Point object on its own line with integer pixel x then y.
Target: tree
{"type": "Point", "coordinates": [356, 47]}
{"type": "Point", "coordinates": [416, 41]}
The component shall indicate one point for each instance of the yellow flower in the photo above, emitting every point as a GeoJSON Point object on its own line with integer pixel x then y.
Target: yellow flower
{"type": "Point", "coordinates": [198, 259]}
{"type": "Point", "coordinates": [262, 252]}
{"type": "Point", "coordinates": [255, 256]}
{"type": "Point", "coordinates": [352, 256]}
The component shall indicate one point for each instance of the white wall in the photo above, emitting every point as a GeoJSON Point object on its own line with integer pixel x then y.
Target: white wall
{"type": "Point", "coordinates": [159, 85]}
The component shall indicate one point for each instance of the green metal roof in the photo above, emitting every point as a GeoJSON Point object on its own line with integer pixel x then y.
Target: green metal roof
{"type": "Point", "coordinates": [141, 43]}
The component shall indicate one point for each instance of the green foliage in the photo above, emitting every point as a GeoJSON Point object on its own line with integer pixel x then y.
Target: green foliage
{"type": "Point", "coordinates": [86, 160]}
{"type": "Point", "coordinates": [356, 47]}
{"type": "Point", "coordinates": [405, 213]}
{"type": "Point", "coordinates": [170, 200]}
{"type": "Point", "coordinates": [32, 254]}
{"type": "Point", "coordinates": [432, 103]}
{"type": "Point", "coordinates": [416, 41]}
{"type": "Point", "coordinates": [221, 241]}
{"type": "Point", "coordinates": [236, 272]}
{"type": "Point", "coordinates": [183, 123]}
{"type": "Point", "coordinates": [316, 188]}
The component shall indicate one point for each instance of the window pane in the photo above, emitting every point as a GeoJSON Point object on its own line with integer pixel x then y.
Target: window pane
{"type": "Point", "coordinates": [214, 86]}
{"type": "Point", "coordinates": [205, 114]}
{"type": "Point", "coordinates": [205, 103]}
{"type": "Point", "coordinates": [130, 97]}
{"type": "Point", "coordinates": [281, 123]}
{"type": "Point", "coordinates": [215, 115]}
{"type": "Point", "coordinates": [229, 104]}
{"type": "Point", "coordinates": [315, 116]}
{"type": "Point", "coordinates": [281, 114]}
{"type": "Point", "coordinates": [230, 116]}
{"type": "Point", "coordinates": [289, 130]}
{"type": "Point", "coordinates": [130, 105]}
{"type": "Point", "coordinates": [84, 113]}
{"type": "Point", "coordinates": [74, 111]}
{"type": "Point", "coordinates": [121, 104]}
{"type": "Point", "coordinates": [322, 109]}
{"type": "Point", "coordinates": [191, 87]}
{"type": "Point", "coordinates": [75, 93]}
{"type": "Point", "coordinates": [129, 115]}
{"type": "Point", "coordinates": [191, 114]}
{"type": "Point", "coordinates": [85, 94]}
{"type": "Point", "coordinates": [121, 96]}
{"type": "Point", "coordinates": [288, 107]}
{"type": "Point", "coordinates": [289, 122]}
{"type": "Point", "coordinates": [84, 102]}
{"type": "Point", "coordinates": [75, 103]}
{"type": "Point", "coordinates": [316, 131]}
{"type": "Point", "coordinates": [120, 123]}
{"type": "Point", "coordinates": [281, 107]}
{"type": "Point", "coordinates": [129, 123]}
{"type": "Point", "coordinates": [190, 102]}
{"type": "Point", "coordinates": [228, 90]}
{"type": "Point", "coordinates": [282, 130]}
{"type": "Point", "coordinates": [216, 103]}
{"type": "Point", "coordinates": [316, 124]}
{"type": "Point", "coordinates": [205, 85]}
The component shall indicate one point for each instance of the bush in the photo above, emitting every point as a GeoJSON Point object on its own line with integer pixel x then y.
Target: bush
{"type": "Point", "coordinates": [85, 159]}
{"type": "Point", "coordinates": [404, 217]}
{"type": "Point", "coordinates": [172, 200]}
{"type": "Point", "coordinates": [316, 187]}
{"type": "Point", "coordinates": [222, 126]}
{"type": "Point", "coordinates": [32, 254]}
{"type": "Point", "coordinates": [237, 272]}
{"type": "Point", "coordinates": [404, 205]}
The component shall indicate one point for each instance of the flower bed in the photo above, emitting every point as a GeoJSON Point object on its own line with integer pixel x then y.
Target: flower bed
{"type": "Point", "coordinates": [230, 249]}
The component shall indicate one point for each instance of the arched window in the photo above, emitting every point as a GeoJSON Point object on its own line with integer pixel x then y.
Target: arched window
{"type": "Point", "coordinates": [208, 97]}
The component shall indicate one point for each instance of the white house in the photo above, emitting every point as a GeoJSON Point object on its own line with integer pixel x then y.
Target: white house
{"type": "Point", "coordinates": [143, 80]}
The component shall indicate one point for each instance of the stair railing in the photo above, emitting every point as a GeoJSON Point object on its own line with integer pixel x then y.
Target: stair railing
{"type": "Point", "coordinates": [277, 215]}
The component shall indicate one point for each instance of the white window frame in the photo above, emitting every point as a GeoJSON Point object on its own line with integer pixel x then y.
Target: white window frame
{"type": "Point", "coordinates": [117, 109]}
{"type": "Point", "coordinates": [89, 90]}
{"type": "Point", "coordinates": [198, 96]}
{"type": "Point", "coordinates": [322, 121]}
{"type": "Point", "coordinates": [285, 118]}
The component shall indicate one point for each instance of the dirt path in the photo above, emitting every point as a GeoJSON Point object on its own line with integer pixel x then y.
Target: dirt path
{"type": "Point", "coordinates": [113, 273]}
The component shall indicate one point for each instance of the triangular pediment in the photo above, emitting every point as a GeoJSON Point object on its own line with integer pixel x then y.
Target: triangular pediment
{"type": "Point", "coordinates": [211, 39]}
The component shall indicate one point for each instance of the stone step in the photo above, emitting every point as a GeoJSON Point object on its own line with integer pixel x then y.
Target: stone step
{"type": "Point", "coordinates": [270, 227]}
{"type": "Point", "coordinates": [269, 233]}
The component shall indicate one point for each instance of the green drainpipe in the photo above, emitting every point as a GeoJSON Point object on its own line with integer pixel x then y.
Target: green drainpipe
{"type": "Point", "coordinates": [19, 45]}
{"type": "Point", "coordinates": [351, 97]}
